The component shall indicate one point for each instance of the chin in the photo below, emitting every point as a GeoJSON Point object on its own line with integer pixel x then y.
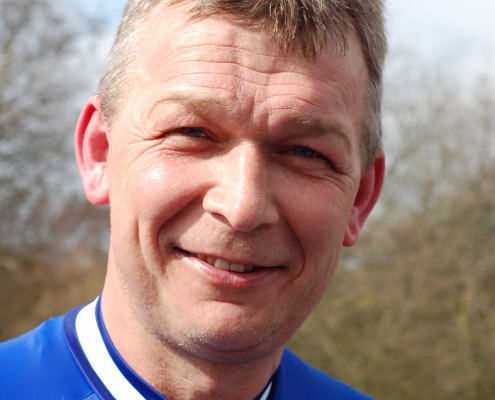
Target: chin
{"type": "Point", "coordinates": [226, 342]}
{"type": "Point", "coordinates": [232, 350]}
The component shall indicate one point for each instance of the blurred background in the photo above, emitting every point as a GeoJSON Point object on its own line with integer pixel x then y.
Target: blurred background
{"type": "Point", "coordinates": [411, 312]}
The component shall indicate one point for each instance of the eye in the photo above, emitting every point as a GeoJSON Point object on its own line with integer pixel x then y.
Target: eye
{"type": "Point", "coordinates": [306, 156]}
{"type": "Point", "coordinates": [305, 152]}
{"type": "Point", "coordinates": [193, 132]}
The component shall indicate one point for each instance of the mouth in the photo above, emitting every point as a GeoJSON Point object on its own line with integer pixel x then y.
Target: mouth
{"type": "Point", "coordinates": [222, 264]}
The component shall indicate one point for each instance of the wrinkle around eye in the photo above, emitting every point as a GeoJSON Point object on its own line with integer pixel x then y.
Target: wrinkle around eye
{"type": "Point", "coordinates": [187, 141]}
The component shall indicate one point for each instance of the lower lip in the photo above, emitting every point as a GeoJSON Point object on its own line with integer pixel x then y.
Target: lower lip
{"type": "Point", "coordinates": [230, 279]}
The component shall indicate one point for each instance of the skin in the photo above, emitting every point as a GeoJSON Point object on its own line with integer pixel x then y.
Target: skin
{"type": "Point", "coordinates": [224, 148]}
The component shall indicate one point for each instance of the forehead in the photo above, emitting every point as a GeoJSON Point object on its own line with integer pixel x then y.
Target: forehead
{"type": "Point", "coordinates": [164, 20]}
{"type": "Point", "coordinates": [231, 62]}
{"type": "Point", "coordinates": [170, 29]}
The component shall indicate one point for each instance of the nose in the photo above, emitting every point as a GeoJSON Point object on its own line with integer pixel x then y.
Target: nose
{"type": "Point", "coordinates": [242, 194]}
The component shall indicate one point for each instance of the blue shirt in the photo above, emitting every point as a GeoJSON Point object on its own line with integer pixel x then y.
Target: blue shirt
{"type": "Point", "coordinates": [72, 358]}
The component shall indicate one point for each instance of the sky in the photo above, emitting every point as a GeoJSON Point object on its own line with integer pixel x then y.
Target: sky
{"type": "Point", "coordinates": [449, 31]}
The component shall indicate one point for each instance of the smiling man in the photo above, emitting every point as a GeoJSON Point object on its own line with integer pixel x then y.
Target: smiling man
{"type": "Point", "coordinates": [238, 145]}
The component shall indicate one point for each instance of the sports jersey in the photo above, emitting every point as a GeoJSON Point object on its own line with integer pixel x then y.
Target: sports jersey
{"type": "Point", "coordinates": [72, 358]}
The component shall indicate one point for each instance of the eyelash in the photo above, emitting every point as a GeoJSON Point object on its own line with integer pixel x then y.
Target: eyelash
{"type": "Point", "coordinates": [309, 153]}
{"type": "Point", "coordinates": [305, 152]}
{"type": "Point", "coordinates": [187, 131]}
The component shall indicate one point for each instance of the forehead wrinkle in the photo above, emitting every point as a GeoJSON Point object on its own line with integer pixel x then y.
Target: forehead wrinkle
{"type": "Point", "coordinates": [245, 60]}
{"type": "Point", "coordinates": [235, 53]}
{"type": "Point", "coordinates": [233, 79]}
{"type": "Point", "coordinates": [267, 77]}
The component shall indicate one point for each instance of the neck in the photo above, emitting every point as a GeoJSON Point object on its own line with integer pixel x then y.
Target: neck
{"type": "Point", "coordinates": [179, 378]}
{"type": "Point", "coordinates": [175, 373]}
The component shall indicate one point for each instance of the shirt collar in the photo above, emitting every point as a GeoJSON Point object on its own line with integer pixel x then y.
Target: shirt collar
{"type": "Point", "coordinates": [102, 364]}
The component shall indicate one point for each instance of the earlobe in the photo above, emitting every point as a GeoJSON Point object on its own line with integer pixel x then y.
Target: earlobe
{"type": "Point", "coordinates": [369, 190]}
{"type": "Point", "coordinates": [91, 151]}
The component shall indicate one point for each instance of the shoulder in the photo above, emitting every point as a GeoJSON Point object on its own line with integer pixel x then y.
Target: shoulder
{"type": "Point", "coordinates": [40, 365]}
{"type": "Point", "coordinates": [297, 379]}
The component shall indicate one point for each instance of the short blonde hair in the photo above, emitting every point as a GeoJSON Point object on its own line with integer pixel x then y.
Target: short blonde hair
{"type": "Point", "coordinates": [304, 27]}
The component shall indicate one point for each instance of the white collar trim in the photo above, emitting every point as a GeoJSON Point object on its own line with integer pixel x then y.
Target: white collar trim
{"type": "Point", "coordinates": [97, 354]}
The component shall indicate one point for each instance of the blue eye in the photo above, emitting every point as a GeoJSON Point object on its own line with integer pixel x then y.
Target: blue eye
{"type": "Point", "coordinates": [306, 152]}
{"type": "Point", "coordinates": [194, 132]}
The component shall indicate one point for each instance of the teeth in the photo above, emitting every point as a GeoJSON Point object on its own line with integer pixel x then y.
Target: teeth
{"type": "Point", "coordinates": [237, 268]}
{"type": "Point", "coordinates": [225, 265]}
{"type": "Point", "coordinates": [222, 264]}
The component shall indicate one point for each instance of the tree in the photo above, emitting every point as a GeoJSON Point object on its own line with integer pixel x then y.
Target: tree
{"type": "Point", "coordinates": [45, 222]}
{"type": "Point", "coordinates": [40, 79]}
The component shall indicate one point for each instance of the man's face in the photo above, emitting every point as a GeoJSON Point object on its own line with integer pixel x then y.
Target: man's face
{"type": "Point", "coordinates": [232, 172]}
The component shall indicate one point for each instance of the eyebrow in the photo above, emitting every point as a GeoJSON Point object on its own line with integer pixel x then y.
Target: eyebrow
{"type": "Point", "coordinates": [316, 126]}
{"type": "Point", "coordinates": [200, 106]}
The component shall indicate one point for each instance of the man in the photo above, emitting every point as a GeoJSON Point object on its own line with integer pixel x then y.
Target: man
{"type": "Point", "coordinates": [238, 145]}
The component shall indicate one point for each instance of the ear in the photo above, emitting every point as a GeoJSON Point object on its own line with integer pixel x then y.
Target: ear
{"type": "Point", "coordinates": [91, 151]}
{"type": "Point", "coordinates": [366, 198]}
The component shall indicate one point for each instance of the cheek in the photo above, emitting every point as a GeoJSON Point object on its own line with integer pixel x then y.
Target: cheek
{"type": "Point", "coordinates": [319, 223]}
{"type": "Point", "coordinates": [319, 226]}
{"type": "Point", "coordinates": [158, 190]}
